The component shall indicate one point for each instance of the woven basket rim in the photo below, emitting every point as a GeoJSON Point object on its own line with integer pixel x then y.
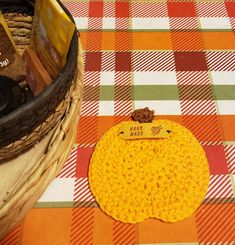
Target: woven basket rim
{"type": "Point", "coordinates": [50, 162]}
{"type": "Point", "coordinates": [44, 95]}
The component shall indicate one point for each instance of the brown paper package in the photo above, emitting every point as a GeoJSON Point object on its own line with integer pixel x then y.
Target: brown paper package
{"type": "Point", "coordinates": [36, 75]}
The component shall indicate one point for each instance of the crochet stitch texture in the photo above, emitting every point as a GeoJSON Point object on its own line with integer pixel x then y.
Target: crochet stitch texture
{"type": "Point", "coordinates": [133, 180]}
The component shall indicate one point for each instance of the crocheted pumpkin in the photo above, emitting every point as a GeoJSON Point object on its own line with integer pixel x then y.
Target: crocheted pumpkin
{"type": "Point", "coordinates": [133, 180]}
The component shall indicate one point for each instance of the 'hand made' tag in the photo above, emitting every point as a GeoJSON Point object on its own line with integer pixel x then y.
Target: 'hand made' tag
{"type": "Point", "coordinates": [143, 131]}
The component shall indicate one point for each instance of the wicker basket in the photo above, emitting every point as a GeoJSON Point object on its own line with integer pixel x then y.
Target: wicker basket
{"type": "Point", "coordinates": [31, 122]}
{"type": "Point", "coordinates": [45, 161]}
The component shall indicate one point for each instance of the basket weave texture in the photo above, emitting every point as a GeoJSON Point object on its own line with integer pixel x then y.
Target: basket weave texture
{"type": "Point", "coordinates": [30, 187]}
{"type": "Point", "coordinates": [29, 123]}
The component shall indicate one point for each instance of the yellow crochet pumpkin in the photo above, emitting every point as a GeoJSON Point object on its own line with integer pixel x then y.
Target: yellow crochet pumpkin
{"type": "Point", "coordinates": [133, 180]}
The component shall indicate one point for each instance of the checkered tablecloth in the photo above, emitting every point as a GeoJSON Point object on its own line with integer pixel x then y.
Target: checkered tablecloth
{"type": "Point", "coordinates": [176, 57]}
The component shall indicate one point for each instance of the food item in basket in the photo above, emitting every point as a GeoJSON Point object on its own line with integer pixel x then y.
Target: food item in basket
{"type": "Point", "coordinates": [11, 64]}
{"type": "Point", "coordinates": [165, 178]}
{"type": "Point", "coordinates": [11, 95]}
{"type": "Point", "coordinates": [36, 75]}
{"type": "Point", "coordinates": [51, 35]}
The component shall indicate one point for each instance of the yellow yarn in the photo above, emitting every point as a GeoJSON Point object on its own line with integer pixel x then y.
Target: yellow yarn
{"type": "Point", "coordinates": [133, 180]}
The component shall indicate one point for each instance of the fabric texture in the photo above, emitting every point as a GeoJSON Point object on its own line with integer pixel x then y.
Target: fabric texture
{"type": "Point", "coordinates": [177, 58]}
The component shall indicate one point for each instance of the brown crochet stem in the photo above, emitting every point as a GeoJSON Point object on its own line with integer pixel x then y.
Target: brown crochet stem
{"type": "Point", "coordinates": [143, 115]}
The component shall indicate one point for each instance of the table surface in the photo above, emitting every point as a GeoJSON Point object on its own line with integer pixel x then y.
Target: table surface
{"type": "Point", "coordinates": [176, 58]}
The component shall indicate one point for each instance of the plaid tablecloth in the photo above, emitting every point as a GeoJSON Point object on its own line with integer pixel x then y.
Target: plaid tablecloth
{"type": "Point", "coordinates": [176, 57]}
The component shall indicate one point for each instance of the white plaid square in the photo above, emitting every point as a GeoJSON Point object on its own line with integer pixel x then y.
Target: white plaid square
{"type": "Point", "coordinates": [81, 23]}
{"type": "Point", "coordinates": [106, 108]}
{"type": "Point", "coordinates": [107, 78]}
{"type": "Point", "coordinates": [150, 23]}
{"type": "Point", "coordinates": [215, 23]}
{"type": "Point", "coordinates": [226, 107]}
{"type": "Point", "coordinates": [108, 23]}
{"type": "Point", "coordinates": [223, 77]}
{"type": "Point", "coordinates": [154, 78]}
{"type": "Point", "coordinates": [54, 193]}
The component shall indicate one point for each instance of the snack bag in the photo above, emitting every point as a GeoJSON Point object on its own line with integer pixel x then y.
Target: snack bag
{"type": "Point", "coordinates": [11, 64]}
{"type": "Point", "coordinates": [51, 35]}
